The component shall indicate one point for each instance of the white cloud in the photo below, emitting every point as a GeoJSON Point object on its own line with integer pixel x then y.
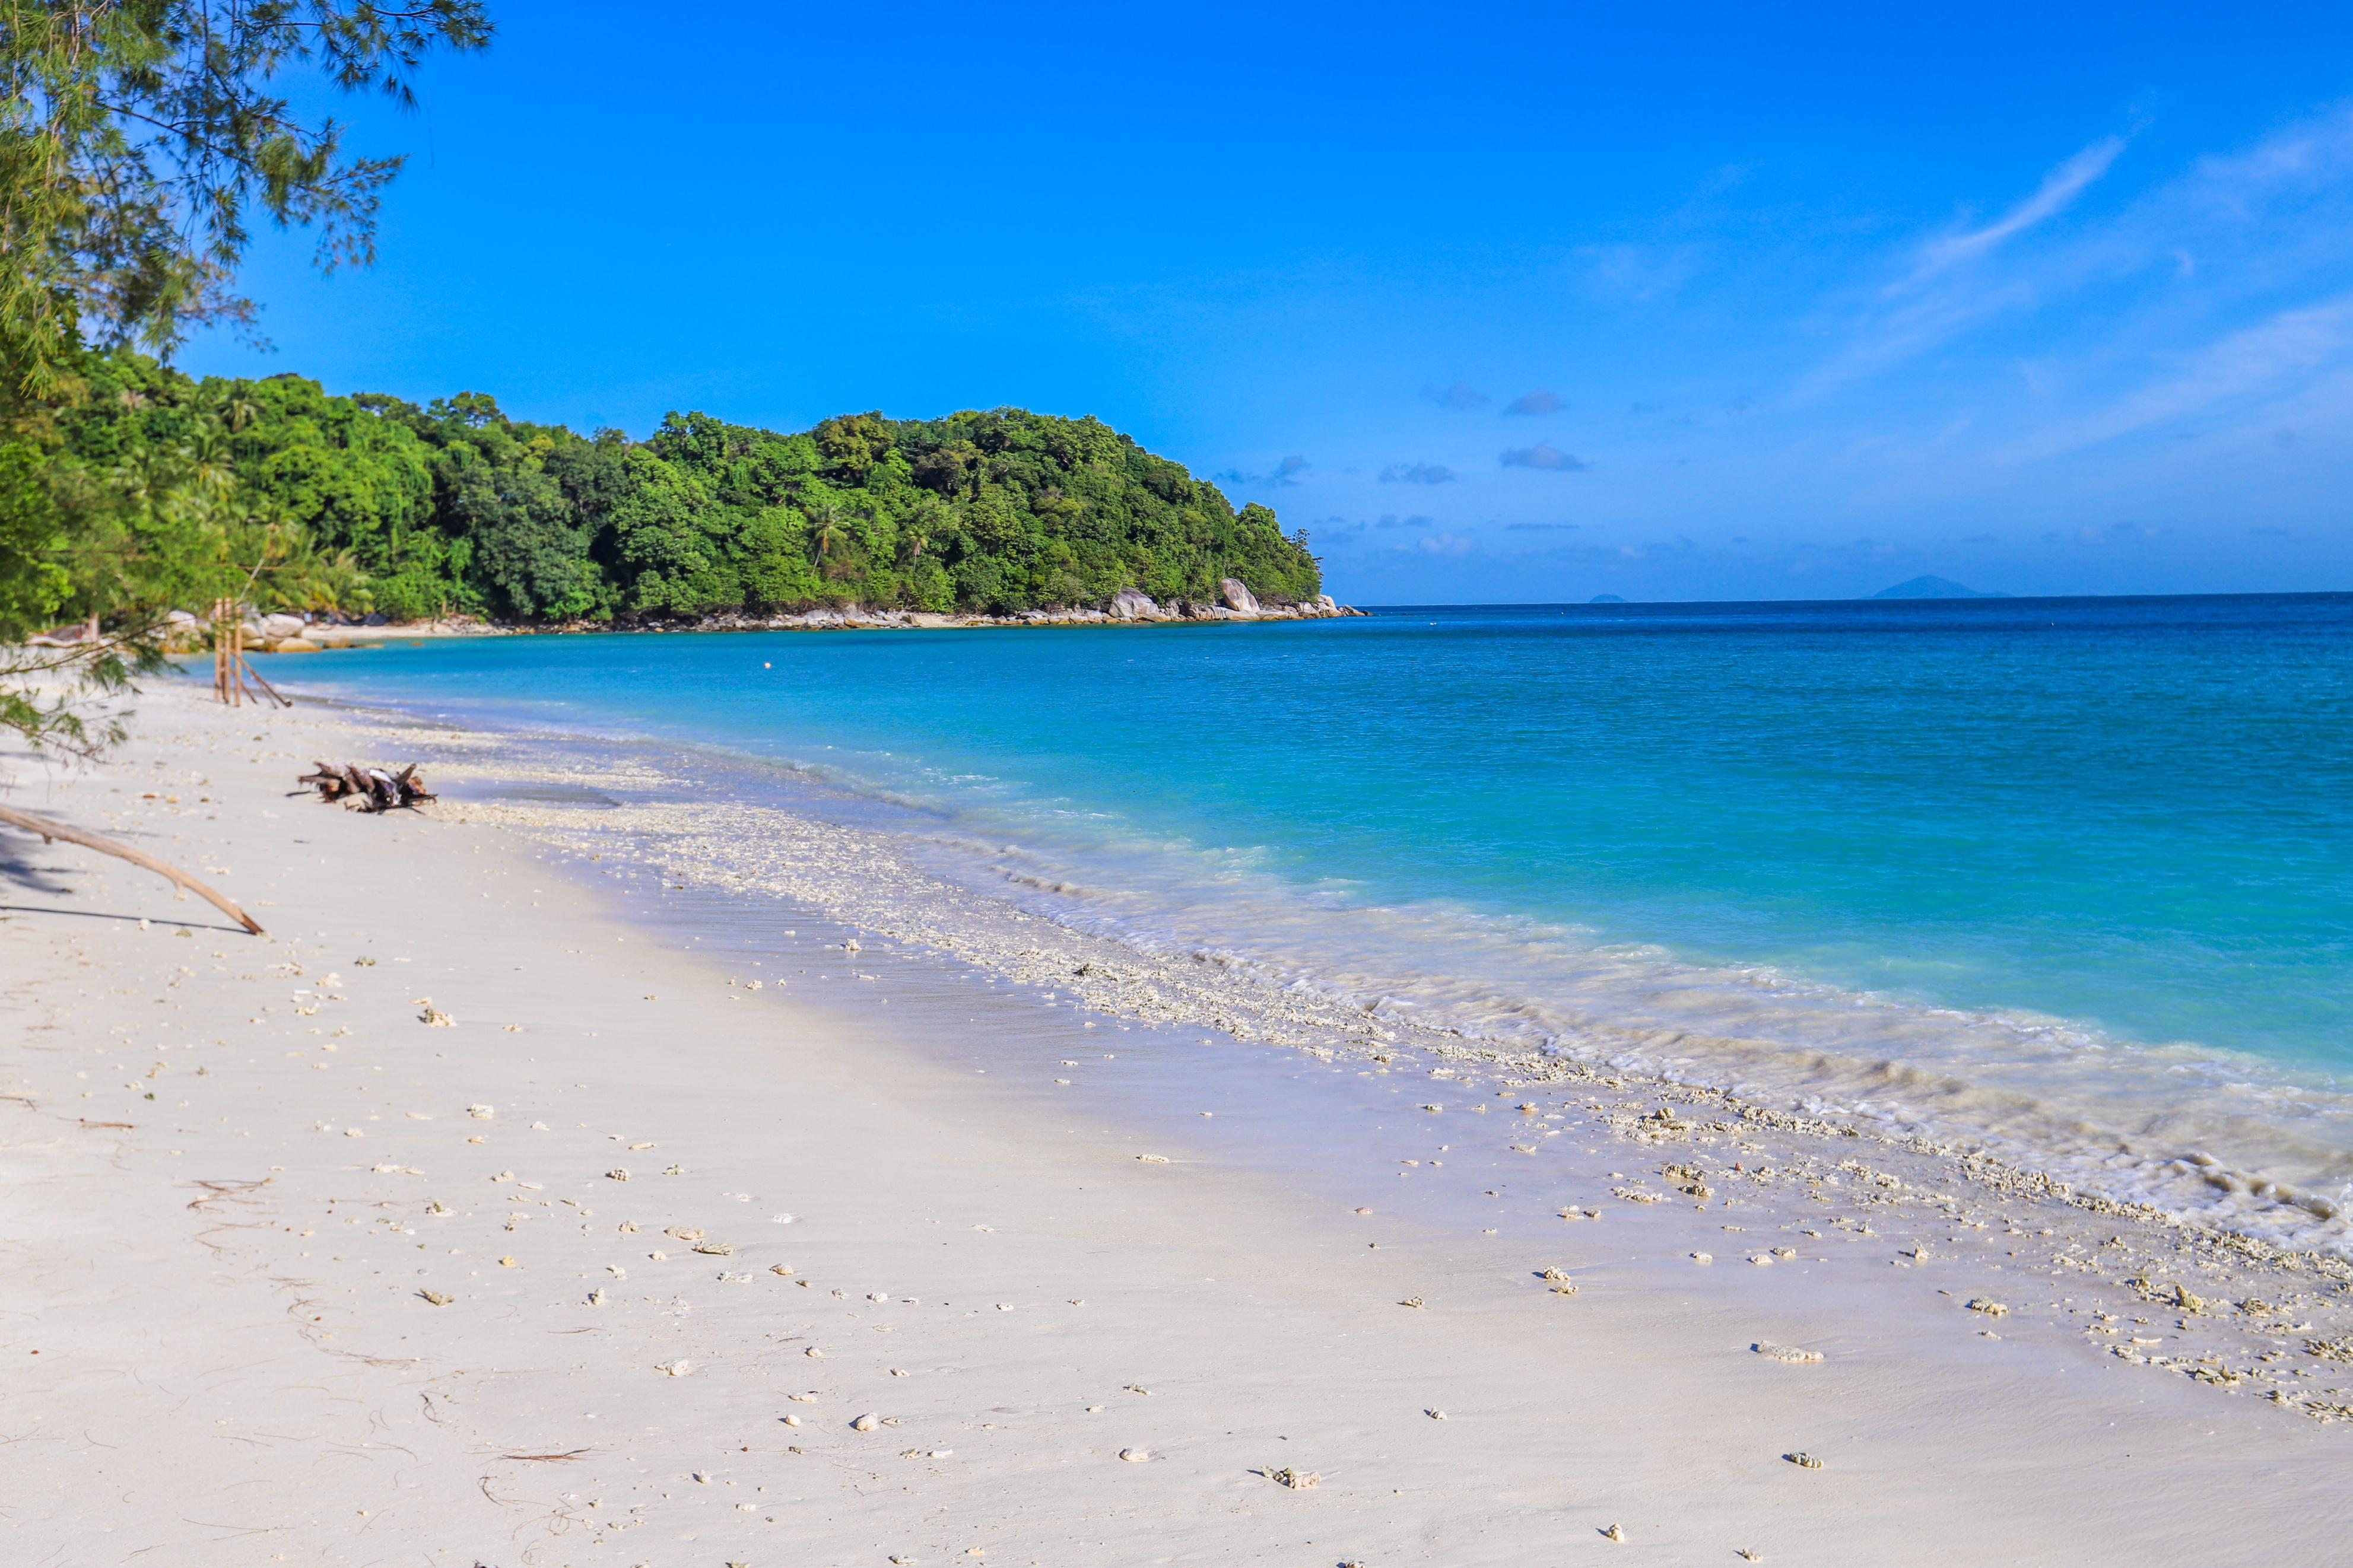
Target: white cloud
{"type": "Point", "coordinates": [2271, 359]}
{"type": "Point", "coordinates": [2057, 193]}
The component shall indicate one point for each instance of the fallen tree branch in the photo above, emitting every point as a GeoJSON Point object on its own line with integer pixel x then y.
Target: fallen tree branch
{"type": "Point", "coordinates": [104, 845]}
{"type": "Point", "coordinates": [364, 788]}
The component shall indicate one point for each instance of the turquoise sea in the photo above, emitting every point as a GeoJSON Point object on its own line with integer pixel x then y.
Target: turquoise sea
{"type": "Point", "coordinates": [2071, 875]}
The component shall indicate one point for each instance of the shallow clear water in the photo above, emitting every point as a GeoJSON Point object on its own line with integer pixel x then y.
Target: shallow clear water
{"type": "Point", "coordinates": [2001, 835]}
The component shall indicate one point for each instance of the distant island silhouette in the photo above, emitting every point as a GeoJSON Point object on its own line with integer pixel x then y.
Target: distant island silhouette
{"type": "Point", "coordinates": [1934, 588]}
{"type": "Point", "coordinates": [1605, 599]}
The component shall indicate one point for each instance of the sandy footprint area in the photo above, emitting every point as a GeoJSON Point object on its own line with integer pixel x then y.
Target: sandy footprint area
{"type": "Point", "coordinates": [465, 1219]}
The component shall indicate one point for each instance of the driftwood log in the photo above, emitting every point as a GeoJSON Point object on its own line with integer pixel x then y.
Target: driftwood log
{"type": "Point", "coordinates": [363, 788]}
{"type": "Point", "coordinates": [59, 831]}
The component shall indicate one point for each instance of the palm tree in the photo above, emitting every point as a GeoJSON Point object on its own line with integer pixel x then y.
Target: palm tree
{"type": "Point", "coordinates": [827, 529]}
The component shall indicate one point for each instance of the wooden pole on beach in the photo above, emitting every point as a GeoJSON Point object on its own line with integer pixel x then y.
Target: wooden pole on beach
{"type": "Point", "coordinates": [234, 677]}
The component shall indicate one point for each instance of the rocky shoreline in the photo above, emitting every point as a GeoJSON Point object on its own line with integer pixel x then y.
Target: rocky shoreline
{"type": "Point", "coordinates": [1127, 607]}
{"type": "Point", "coordinates": [284, 634]}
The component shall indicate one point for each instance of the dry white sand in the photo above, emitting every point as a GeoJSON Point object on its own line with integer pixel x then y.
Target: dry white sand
{"type": "Point", "coordinates": [293, 1274]}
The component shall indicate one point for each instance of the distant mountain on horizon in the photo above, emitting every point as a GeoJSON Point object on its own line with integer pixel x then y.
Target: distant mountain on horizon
{"type": "Point", "coordinates": [1934, 588]}
{"type": "Point", "coordinates": [1605, 599]}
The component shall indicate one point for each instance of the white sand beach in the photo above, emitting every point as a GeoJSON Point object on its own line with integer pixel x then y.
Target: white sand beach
{"type": "Point", "coordinates": [913, 1270]}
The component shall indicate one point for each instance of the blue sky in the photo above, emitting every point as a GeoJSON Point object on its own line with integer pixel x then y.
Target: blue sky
{"type": "Point", "coordinates": [1524, 304]}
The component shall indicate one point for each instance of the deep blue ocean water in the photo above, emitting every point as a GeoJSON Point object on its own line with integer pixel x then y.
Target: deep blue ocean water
{"type": "Point", "coordinates": [2130, 820]}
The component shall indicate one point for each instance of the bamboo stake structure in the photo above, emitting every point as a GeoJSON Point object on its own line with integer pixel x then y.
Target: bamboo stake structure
{"type": "Point", "coordinates": [233, 678]}
{"type": "Point", "coordinates": [49, 830]}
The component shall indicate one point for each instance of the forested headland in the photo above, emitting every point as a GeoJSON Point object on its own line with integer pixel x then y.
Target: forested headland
{"type": "Point", "coordinates": [139, 148]}
{"type": "Point", "coordinates": [369, 503]}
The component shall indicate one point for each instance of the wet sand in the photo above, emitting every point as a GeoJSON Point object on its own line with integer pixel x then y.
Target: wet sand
{"type": "Point", "coordinates": [357, 1287]}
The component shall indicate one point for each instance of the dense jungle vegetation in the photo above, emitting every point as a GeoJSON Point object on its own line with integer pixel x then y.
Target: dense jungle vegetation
{"type": "Point", "coordinates": [368, 502]}
{"type": "Point", "coordinates": [140, 145]}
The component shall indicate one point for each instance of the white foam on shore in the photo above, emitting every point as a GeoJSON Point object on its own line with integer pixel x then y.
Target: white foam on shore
{"type": "Point", "coordinates": [1173, 932]}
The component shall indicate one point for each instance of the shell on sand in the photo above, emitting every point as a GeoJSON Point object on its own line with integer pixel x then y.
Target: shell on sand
{"type": "Point", "coordinates": [1991, 1308]}
{"type": "Point", "coordinates": [1136, 1456]}
{"type": "Point", "coordinates": [1702, 1258]}
{"type": "Point", "coordinates": [1804, 1461]}
{"type": "Point", "coordinates": [865, 1423]}
{"type": "Point", "coordinates": [1154, 1159]}
{"type": "Point", "coordinates": [814, 1353]}
{"type": "Point", "coordinates": [617, 1174]}
{"type": "Point", "coordinates": [780, 1269]}
{"type": "Point", "coordinates": [1615, 1532]}
{"type": "Point", "coordinates": [674, 1368]}
{"type": "Point", "coordinates": [433, 1018]}
{"type": "Point", "coordinates": [716, 1248]}
{"type": "Point", "coordinates": [437, 1298]}
{"type": "Point", "coordinates": [596, 1297]}
{"type": "Point", "coordinates": [684, 1233]}
{"type": "Point", "coordinates": [1297, 1480]}
{"type": "Point", "coordinates": [1791, 1354]}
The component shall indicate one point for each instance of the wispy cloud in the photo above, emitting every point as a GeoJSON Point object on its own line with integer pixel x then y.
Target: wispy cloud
{"type": "Point", "coordinates": [1460, 395]}
{"type": "Point", "coordinates": [1944, 289]}
{"type": "Point", "coordinates": [1418, 474]}
{"type": "Point", "coordinates": [2057, 193]}
{"type": "Point", "coordinates": [1285, 472]}
{"type": "Point", "coordinates": [2251, 366]}
{"type": "Point", "coordinates": [1535, 402]}
{"type": "Point", "coordinates": [1544, 455]}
